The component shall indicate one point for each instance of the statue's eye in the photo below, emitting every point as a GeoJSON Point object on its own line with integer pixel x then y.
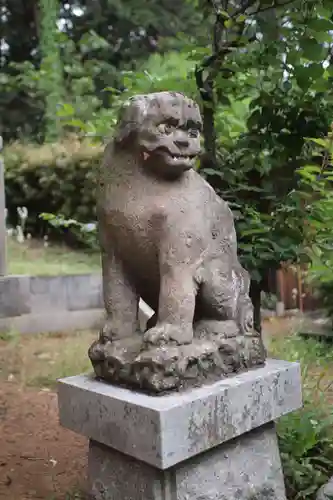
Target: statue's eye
{"type": "Point", "coordinates": [193, 132]}
{"type": "Point", "coordinates": [165, 128]}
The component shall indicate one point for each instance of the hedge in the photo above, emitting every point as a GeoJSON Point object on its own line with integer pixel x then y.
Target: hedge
{"type": "Point", "coordinates": [57, 178]}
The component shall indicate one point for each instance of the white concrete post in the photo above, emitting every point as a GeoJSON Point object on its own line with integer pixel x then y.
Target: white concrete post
{"type": "Point", "coordinates": [3, 232]}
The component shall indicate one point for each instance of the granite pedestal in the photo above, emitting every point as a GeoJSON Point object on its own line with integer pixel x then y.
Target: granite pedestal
{"type": "Point", "coordinates": [216, 442]}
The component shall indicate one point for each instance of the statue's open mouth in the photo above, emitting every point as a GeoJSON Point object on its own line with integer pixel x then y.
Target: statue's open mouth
{"type": "Point", "coordinates": [172, 159]}
{"type": "Point", "coordinates": [182, 157]}
{"type": "Point", "coordinates": [185, 160]}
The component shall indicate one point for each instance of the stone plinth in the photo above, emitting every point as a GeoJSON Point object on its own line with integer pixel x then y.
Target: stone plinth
{"type": "Point", "coordinates": [216, 442]}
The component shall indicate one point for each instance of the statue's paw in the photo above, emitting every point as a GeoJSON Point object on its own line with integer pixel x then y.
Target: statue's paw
{"type": "Point", "coordinates": [112, 331]}
{"type": "Point", "coordinates": [245, 320]}
{"type": "Point", "coordinates": [165, 332]}
{"type": "Point", "coordinates": [107, 332]}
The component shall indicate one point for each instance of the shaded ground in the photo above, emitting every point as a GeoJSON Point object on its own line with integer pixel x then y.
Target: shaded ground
{"type": "Point", "coordinates": [38, 458]}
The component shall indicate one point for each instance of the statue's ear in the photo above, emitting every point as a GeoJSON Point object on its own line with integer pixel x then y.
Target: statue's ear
{"type": "Point", "coordinates": [125, 132]}
{"type": "Point", "coordinates": [130, 118]}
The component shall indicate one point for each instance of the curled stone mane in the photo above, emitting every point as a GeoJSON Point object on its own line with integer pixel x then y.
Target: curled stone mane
{"type": "Point", "coordinates": [134, 112]}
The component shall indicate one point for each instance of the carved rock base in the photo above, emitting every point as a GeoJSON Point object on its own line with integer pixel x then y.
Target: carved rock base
{"type": "Point", "coordinates": [158, 369]}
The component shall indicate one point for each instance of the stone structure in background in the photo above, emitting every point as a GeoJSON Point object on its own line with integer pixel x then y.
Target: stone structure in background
{"type": "Point", "coordinates": [3, 231]}
{"type": "Point", "coordinates": [168, 238]}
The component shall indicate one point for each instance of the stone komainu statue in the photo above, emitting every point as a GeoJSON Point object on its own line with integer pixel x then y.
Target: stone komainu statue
{"type": "Point", "coordinates": [167, 237]}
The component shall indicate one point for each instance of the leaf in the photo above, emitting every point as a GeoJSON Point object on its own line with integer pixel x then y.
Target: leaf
{"type": "Point", "coordinates": [254, 231]}
{"type": "Point", "coordinates": [324, 12]}
{"type": "Point", "coordinates": [316, 70]}
{"type": "Point", "coordinates": [112, 90]}
{"type": "Point", "coordinates": [65, 110]}
{"type": "Point", "coordinates": [322, 36]}
{"type": "Point", "coordinates": [312, 50]}
{"type": "Point", "coordinates": [224, 13]}
{"type": "Point", "coordinates": [241, 18]}
{"type": "Point", "coordinates": [320, 24]}
{"type": "Point", "coordinates": [303, 77]}
{"type": "Point", "coordinates": [224, 100]}
{"type": "Point", "coordinates": [321, 142]}
{"type": "Point", "coordinates": [77, 123]}
{"type": "Point", "coordinates": [228, 23]}
{"type": "Point", "coordinates": [309, 168]}
{"type": "Point", "coordinates": [211, 171]}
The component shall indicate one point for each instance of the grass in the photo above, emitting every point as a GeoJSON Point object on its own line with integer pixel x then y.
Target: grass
{"type": "Point", "coordinates": [39, 360]}
{"type": "Point", "coordinates": [31, 257]}
{"type": "Point", "coordinates": [308, 351]}
{"type": "Point", "coordinates": [74, 494]}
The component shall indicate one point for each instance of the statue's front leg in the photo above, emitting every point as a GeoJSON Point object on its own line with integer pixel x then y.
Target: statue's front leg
{"type": "Point", "coordinates": [120, 299]}
{"type": "Point", "coordinates": [177, 293]}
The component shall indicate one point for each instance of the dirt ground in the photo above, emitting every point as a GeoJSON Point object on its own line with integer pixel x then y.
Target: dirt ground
{"type": "Point", "coordinates": [38, 458]}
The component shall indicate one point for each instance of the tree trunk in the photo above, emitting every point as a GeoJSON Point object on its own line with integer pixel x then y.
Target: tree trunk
{"type": "Point", "coordinates": [255, 295]}
{"type": "Point", "coordinates": [209, 132]}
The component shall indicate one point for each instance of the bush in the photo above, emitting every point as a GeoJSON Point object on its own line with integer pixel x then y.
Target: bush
{"type": "Point", "coordinates": [306, 447]}
{"type": "Point", "coordinates": [306, 436]}
{"type": "Point", "coordinates": [56, 178]}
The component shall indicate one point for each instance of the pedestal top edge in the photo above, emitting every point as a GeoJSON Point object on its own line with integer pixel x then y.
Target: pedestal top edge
{"type": "Point", "coordinates": [272, 368]}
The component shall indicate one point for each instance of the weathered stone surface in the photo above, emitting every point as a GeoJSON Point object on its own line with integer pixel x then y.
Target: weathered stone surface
{"type": "Point", "coordinates": [26, 304]}
{"type": "Point", "coordinates": [246, 468]}
{"type": "Point", "coordinates": [48, 293]}
{"type": "Point", "coordinates": [14, 296]}
{"type": "Point", "coordinates": [166, 430]}
{"type": "Point", "coordinates": [56, 321]}
{"type": "Point", "coordinates": [326, 492]}
{"type": "Point", "coordinates": [209, 357]}
{"type": "Point", "coordinates": [84, 292]}
{"type": "Point", "coordinates": [166, 237]}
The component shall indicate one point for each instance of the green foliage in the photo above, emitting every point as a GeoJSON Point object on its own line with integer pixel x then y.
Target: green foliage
{"type": "Point", "coordinates": [305, 436]}
{"type": "Point", "coordinates": [22, 94]}
{"type": "Point", "coordinates": [319, 210]}
{"type": "Point", "coordinates": [85, 233]}
{"type": "Point", "coordinates": [268, 301]}
{"type": "Point", "coordinates": [57, 178]}
{"type": "Point", "coordinates": [172, 71]}
{"type": "Point", "coordinates": [306, 447]}
{"type": "Point", "coordinates": [263, 112]}
{"type": "Point", "coordinates": [95, 42]}
{"type": "Point", "coordinates": [273, 64]}
{"type": "Point", "coordinates": [51, 66]}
